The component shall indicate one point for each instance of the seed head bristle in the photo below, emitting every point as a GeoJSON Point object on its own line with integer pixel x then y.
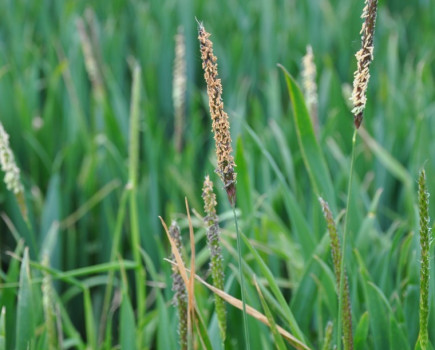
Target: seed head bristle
{"type": "Point", "coordinates": [220, 123]}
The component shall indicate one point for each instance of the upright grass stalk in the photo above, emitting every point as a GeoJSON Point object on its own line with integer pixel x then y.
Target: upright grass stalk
{"type": "Point", "coordinates": [343, 249]}
{"type": "Point", "coordinates": [425, 240]}
{"type": "Point", "coordinates": [221, 130]}
{"type": "Point", "coordinates": [140, 273]}
{"type": "Point", "coordinates": [113, 254]}
{"type": "Point", "coordinates": [242, 280]}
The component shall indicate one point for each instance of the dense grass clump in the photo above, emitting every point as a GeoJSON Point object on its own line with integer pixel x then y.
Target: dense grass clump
{"type": "Point", "coordinates": [105, 126]}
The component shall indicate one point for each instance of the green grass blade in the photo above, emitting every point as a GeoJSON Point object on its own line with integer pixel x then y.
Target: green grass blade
{"type": "Point", "coordinates": [127, 324]}
{"type": "Point", "coordinates": [377, 308]}
{"type": "Point", "coordinates": [3, 329]}
{"type": "Point", "coordinates": [26, 310]}
{"type": "Point", "coordinates": [362, 331]}
{"type": "Point", "coordinates": [311, 152]}
{"type": "Point", "coordinates": [301, 227]}
{"type": "Point", "coordinates": [397, 337]}
{"type": "Point", "coordinates": [294, 327]}
{"type": "Point", "coordinates": [89, 319]}
{"type": "Point", "coordinates": [279, 342]}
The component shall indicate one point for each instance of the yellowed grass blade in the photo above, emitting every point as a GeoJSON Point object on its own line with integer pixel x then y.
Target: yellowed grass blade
{"type": "Point", "coordinates": [176, 253]}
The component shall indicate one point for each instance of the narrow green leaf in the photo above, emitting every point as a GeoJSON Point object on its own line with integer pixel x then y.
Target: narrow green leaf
{"type": "Point", "coordinates": [378, 308]}
{"type": "Point", "coordinates": [294, 327]}
{"type": "Point", "coordinates": [127, 326]}
{"type": "Point", "coordinates": [362, 331]}
{"type": "Point", "coordinates": [397, 337]}
{"type": "Point", "coordinates": [279, 342]}
{"type": "Point", "coordinates": [299, 223]}
{"type": "Point", "coordinates": [25, 327]}
{"type": "Point", "coordinates": [3, 329]}
{"type": "Point", "coordinates": [166, 337]}
{"type": "Point", "coordinates": [329, 287]}
{"type": "Point", "coordinates": [311, 152]}
{"type": "Point", "coordinates": [202, 330]}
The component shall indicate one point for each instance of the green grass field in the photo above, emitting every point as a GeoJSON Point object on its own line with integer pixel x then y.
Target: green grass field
{"type": "Point", "coordinates": [86, 96]}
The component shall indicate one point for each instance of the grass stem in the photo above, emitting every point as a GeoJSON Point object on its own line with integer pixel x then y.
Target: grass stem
{"type": "Point", "coordinates": [343, 248]}
{"type": "Point", "coordinates": [140, 274]}
{"type": "Point", "coordinates": [242, 281]}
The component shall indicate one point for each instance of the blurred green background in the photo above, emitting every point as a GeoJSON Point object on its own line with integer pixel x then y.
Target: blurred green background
{"type": "Point", "coordinates": [70, 136]}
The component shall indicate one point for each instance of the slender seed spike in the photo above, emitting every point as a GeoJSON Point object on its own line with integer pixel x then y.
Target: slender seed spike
{"type": "Point", "coordinates": [310, 86]}
{"type": "Point", "coordinates": [90, 59]}
{"type": "Point", "coordinates": [328, 336]}
{"type": "Point", "coordinates": [213, 241]}
{"type": "Point", "coordinates": [425, 241]}
{"type": "Point", "coordinates": [180, 293]}
{"type": "Point", "coordinates": [12, 172]}
{"type": "Point", "coordinates": [7, 160]}
{"type": "Point", "coordinates": [336, 259]}
{"type": "Point", "coordinates": [364, 57]}
{"type": "Point", "coordinates": [179, 88]}
{"type": "Point", "coordinates": [220, 125]}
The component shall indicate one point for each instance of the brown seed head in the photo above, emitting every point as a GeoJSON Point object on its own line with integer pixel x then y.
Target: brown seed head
{"type": "Point", "coordinates": [364, 57]}
{"type": "Point", "coordinates": [220, 125]}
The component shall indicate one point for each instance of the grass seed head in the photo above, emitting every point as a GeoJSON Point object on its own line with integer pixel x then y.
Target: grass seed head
{"type": "Point", "coordinates": [8, 165]}
{"type": "Point", "coordinates": [364, 57]}
{"type": "Point", "coordinates": [336, 258]}
{"type": "Point", "coordinates": [220, 123]}
{"type": "Point", "coordinates": [309, 85]}
{"type": "Point", "coordinates": [425, 241]}
{"type": "Point", "coordinates": [179, 87]}
{"type": "Point", "coordinates": [179, 289]}
{"type": "Point", "coordinates": [213, 241]}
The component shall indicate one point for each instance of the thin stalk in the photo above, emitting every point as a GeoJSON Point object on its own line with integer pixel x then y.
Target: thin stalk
{"type": "Point", "coordinates": [89, 319]}
{"type": "Point", "coordinates": [113, 254]}
{"type": "Point", "coordinates": [343, 248]}
{"type": "Point", "coordinates": [140, 273]}
{"type": "Point", "coordinates": [242, 281]}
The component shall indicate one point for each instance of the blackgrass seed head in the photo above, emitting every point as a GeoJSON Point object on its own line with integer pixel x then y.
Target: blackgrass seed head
{"type": "Point", "coordinates": [179, 289]}
{"type": "Point", "coordinates": [364, 57]}
{"type": "Point", "coordinates": [220, 125]}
